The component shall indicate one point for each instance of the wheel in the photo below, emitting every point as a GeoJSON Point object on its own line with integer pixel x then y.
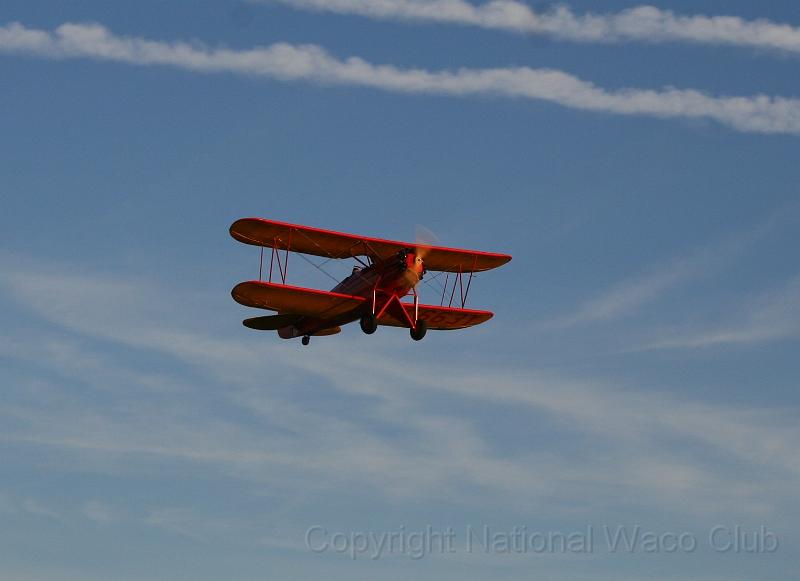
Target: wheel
{"type": "Point", "coordinates": [305, 340]}
{"type": "Point", "coordinates": [420, 331]}
{"type": "Point", "coordinates": [369, 324]}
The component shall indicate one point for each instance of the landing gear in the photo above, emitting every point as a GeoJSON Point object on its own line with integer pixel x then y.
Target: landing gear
{"type": "Point", "coordinates": [369, 323]}
{"type": "Point", "coordinates": [420, 330]}
{"type": "Point", "coordinates": [305, 339]}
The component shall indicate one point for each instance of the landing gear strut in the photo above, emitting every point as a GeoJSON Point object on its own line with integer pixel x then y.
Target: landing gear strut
{"type": "Point", "coordinates": [369, 323]}
{"type": "Point", "coordinates": [305, 339]}
{"type": "Point", "coordinates": [420, 330]}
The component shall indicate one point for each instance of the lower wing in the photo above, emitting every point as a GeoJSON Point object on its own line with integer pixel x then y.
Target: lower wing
{"type": "Point", "coordinates": [294, 300]}
{"type": "Point", "coordinates": [439, 318]}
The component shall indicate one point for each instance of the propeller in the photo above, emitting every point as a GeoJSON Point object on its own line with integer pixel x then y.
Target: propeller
{"type": "Point", "coordinates": [423, 239]}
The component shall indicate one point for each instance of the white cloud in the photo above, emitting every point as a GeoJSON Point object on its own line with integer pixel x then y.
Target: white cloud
{"type": "Point", "coordinates": [98, 512]}
{"type": "Point", "coordinates": [771, 316]}
{"type": "Point", "coordinates": [636, 446]}
{"type": "Point", "coordinates": [640, 23]}
{"type": "Point", "coordinates": [630, 294]}
{"type": "Point", "coordinates": [13, 505]}
{"type": "Point", "coordinates": [185, 522]}
{"type": "Point", "coordinates": [758, 113]}
{"type": "Point", "coordinates": [36, 508]}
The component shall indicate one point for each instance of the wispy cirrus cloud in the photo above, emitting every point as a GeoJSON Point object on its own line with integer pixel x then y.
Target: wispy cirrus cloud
{"type": "Point", "coordinates": [99, 512]}
{"type": "Point", "coordinates": [772, 315]}
{"type": "Point", "coordinates": [286, 62]}
{"type": "Point", "coordinates": [640, 23]}
{"type": "Point", "coordinates": [635, 445]}
{"type": "Point", "coordinates": [630, 294]}
{"type": "Point", "coordinates": [26, 505]}
{"type": "Point", "coordinates": [627, 296]}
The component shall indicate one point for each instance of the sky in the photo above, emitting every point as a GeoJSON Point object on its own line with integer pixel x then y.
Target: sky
{"type": "Point", "coordinates": [638, 380]}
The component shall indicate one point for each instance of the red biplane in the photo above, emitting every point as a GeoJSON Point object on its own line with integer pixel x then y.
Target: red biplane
{"type": "Point", "coordinates": [387, 272]}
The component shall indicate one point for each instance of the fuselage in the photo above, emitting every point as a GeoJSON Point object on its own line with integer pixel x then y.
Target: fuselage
{"type": "Point", "coordinates": [394, 276]}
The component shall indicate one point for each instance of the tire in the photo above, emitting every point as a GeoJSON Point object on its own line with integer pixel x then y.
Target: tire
{"type": "Point", "coordinates": [369, 324]}
{"type": "Point", "coordinates": [418, 333]}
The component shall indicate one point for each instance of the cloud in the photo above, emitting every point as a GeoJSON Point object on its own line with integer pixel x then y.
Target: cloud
{"type": "Point", "coordinates": [29, 506]}
{"type": "Point", "coordinates": [632, 445]}
{"type": "Point", "coordinates": [771, 316]}
{"type": "Point", "coordinates": [630, 294]}
{"type": "Point", "coordinates": [640, 23]}
{"type": "Point", "coordinates": [286, 62]}
{"type": "Point", "coordinates": [34, 507]}
{"type": "Point", "coordinates": [98, 512]}
{"type": "Point", "coordinates": [184, 522]}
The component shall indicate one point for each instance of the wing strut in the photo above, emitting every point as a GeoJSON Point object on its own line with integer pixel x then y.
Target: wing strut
{"type": "Point", "coordinates": [458, 279]}
{"type": "Point", "coordinates": [283, 266]}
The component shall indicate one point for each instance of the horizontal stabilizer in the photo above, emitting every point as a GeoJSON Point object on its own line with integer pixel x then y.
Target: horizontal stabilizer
{"type": "Point", "coordinates": [271, 322]}
{"type": "Point", "coordinates": [328, 331]}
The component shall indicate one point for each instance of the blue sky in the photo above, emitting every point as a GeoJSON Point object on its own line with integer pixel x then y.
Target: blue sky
{"type": "Point", "coordinates": [640, 164]}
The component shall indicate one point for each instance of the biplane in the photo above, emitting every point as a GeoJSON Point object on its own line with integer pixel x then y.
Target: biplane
{"type": "Point", "coordinates": [387, 271]}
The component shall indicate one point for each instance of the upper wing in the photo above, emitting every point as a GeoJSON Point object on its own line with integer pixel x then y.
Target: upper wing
{"type": "Point", "coordinates": [330, 244]}
{"type": "Point", "coordinates": [294, 300]}
{"type": "Point", "coordinates": [440, 318]}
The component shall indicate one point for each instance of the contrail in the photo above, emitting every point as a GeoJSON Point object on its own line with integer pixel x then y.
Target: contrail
{"type": "Point", "coordinates": [287, 62]}
{"type": "Point", "coordinates": [641, 23]}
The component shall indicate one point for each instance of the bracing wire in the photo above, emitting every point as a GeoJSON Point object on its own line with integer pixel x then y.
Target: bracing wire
{"type": "Point", "coordinates": [319, 268]}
